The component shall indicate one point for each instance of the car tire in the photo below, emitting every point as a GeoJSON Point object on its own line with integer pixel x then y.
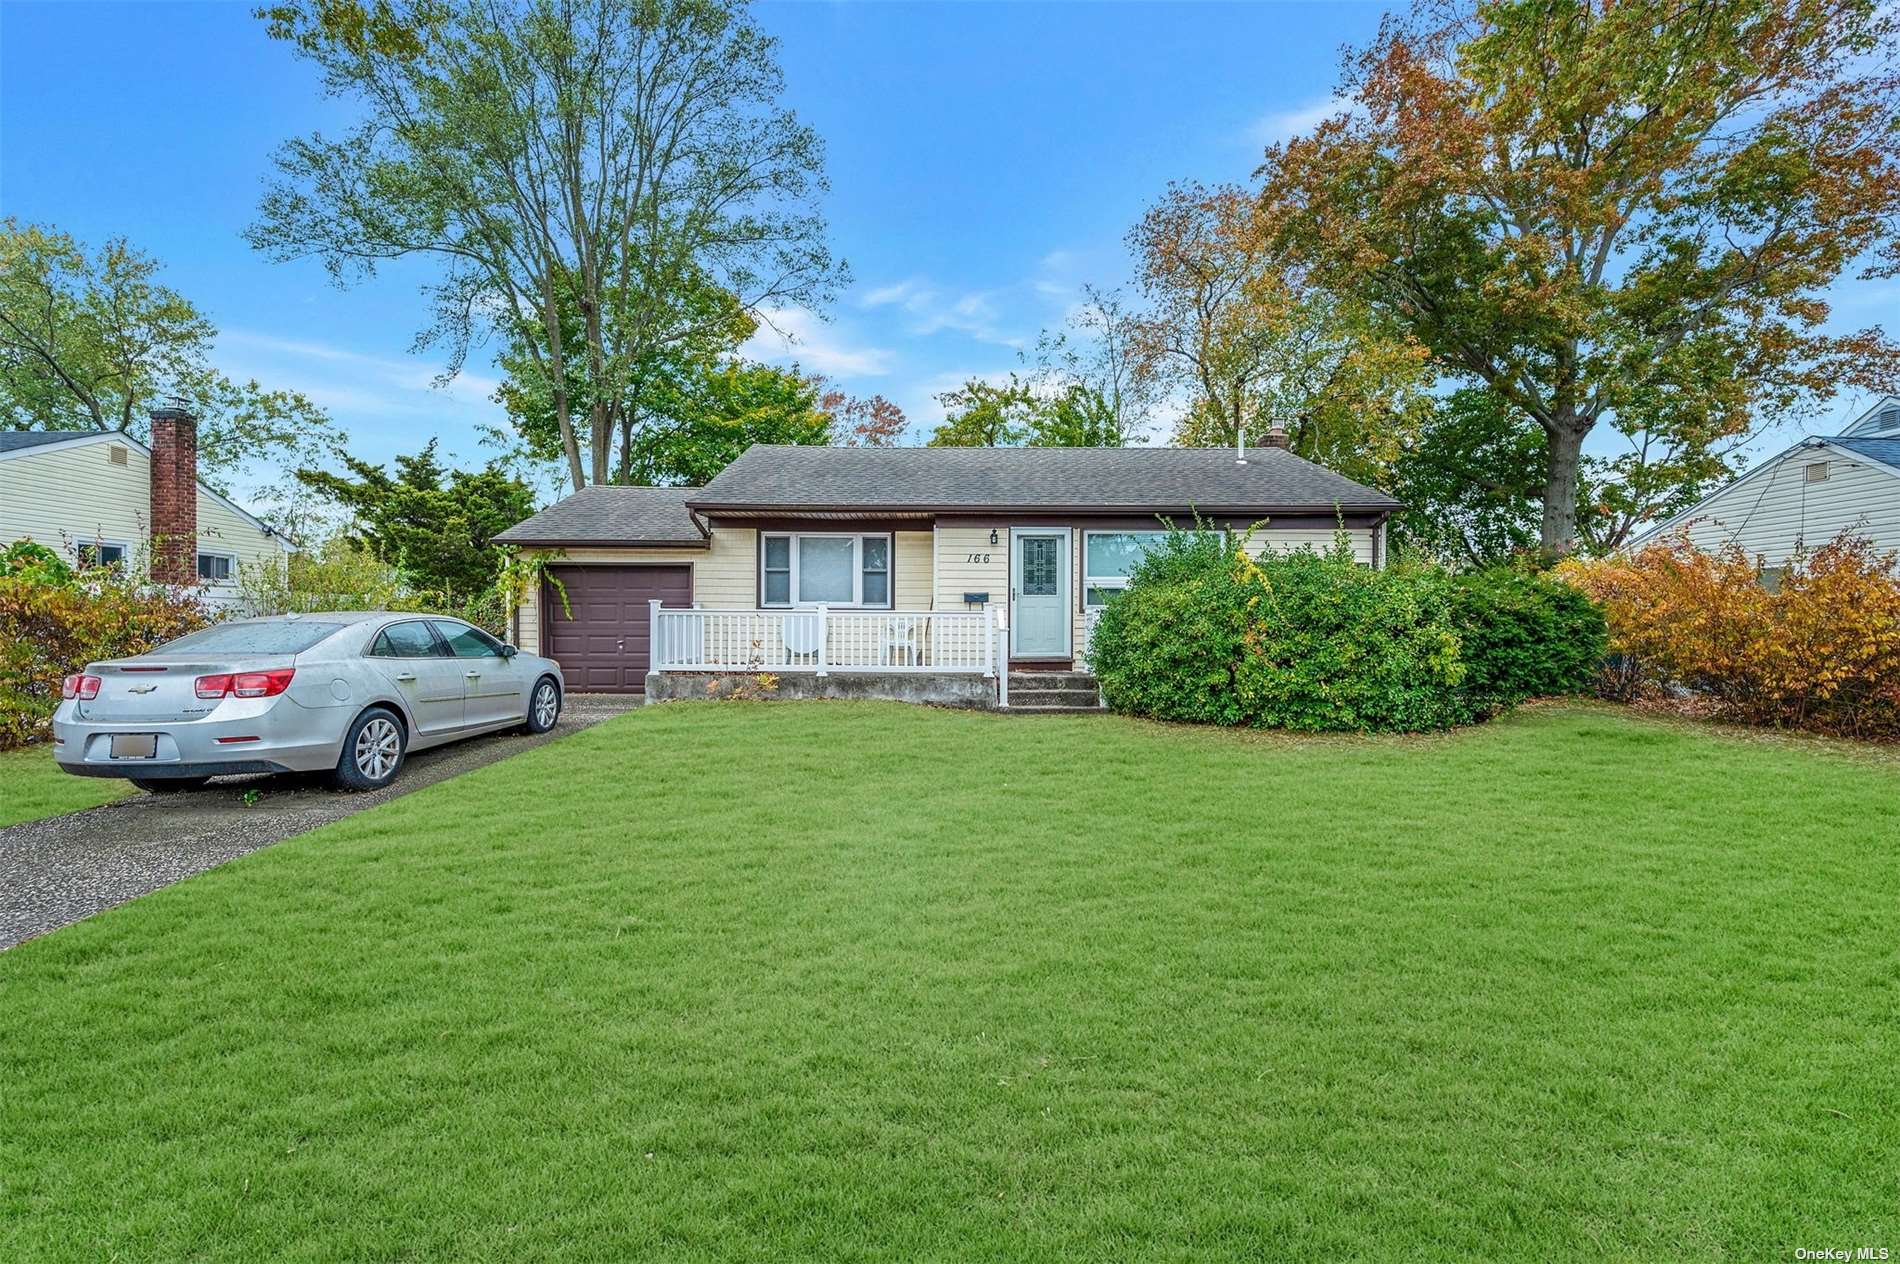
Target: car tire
{"type": "Point", "coordinates": [373, 750]}
{"type": "Point", "coordinates": [544, 706]}
{"type": "Point", "coordinates": [169, 785]}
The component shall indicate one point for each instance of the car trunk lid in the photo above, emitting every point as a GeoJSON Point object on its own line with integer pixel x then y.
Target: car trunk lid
{"type": "Point", "coordinates": [161, 690]}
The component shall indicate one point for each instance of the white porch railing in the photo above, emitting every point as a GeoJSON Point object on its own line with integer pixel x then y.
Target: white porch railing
{"type": "Point", "coordinates": [823, 640]}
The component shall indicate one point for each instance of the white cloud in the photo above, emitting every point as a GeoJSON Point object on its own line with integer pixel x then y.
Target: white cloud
{"type": "Point", "coordinates": [792, 333]}
{"type": "Point", "coordinates": [928, 309]}
{"type": "Point", "coordinates": [367, 384]}
{"type": "Point", "coordinates": [1283, 125]}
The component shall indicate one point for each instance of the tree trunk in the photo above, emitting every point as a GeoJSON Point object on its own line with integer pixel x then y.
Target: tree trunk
{"type": "Point", "coordinates": [557, 382]}
{"type": "Point", "coordinates": [1565, 446]}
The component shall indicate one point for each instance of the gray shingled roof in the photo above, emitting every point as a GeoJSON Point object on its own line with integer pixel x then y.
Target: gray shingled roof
{"type": "Point", "coordinates": [14, 440]}
{"type": "Point", "coordinates": [1031, 480]}
{"type": "Point", "coordinates": [612, 515]}
{"type": "Point", "coordinates": [1883, 450]}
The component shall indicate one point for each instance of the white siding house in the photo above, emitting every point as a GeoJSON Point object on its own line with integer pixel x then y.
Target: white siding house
{"type": "Point", "coordinates": [1807, 495]}
{"type": "Point", "coordinates": [88, 495]}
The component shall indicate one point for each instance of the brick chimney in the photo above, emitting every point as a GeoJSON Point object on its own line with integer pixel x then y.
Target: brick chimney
{"type": "Point", "coordinates": [1276, 436]}
{"type": "Point", "coordinates": [174, 496]}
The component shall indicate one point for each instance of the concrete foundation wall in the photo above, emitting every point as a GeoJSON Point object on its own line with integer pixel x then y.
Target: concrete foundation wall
{"type": "Point", "coordinates": [949, 690]}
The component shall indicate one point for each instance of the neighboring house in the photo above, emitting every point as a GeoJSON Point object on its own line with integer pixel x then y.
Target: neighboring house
{"type": "Point", "coordinates": [895, 562]}
{"type": "Point", "coordinates": [1806, 496]}
{"type": "Point", "coordinates": [102, 497]}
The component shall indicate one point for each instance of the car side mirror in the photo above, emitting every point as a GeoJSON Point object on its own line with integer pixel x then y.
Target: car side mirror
{"type": "Point", "coordinates": [509, 651]}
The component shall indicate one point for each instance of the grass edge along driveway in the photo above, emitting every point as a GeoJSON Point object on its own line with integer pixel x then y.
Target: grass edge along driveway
{"type": "Point", "coordinates": [885, 982]}
{"type": "Point", "coordinates": [32, 787]}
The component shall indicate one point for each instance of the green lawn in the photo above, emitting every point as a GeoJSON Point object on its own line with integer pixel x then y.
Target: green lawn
{"type": "Point", "coordinates": [875, 982]}
{"type": "Point", "coordinates": [32, 786]}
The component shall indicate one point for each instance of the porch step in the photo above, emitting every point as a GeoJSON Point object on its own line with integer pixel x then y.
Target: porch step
{"type": "Point", "coordinates": [1060, 693]}
{"type": "Point", "coordinates": [1051, 680]}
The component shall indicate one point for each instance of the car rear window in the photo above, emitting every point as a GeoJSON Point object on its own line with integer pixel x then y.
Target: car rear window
{"type": "Point", "coordinates": [251, 638]}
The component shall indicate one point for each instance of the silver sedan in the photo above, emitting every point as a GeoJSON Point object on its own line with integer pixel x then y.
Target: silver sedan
{"type": "Point", "coordinates": [351, 694]}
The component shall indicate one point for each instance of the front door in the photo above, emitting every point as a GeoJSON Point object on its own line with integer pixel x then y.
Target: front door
{"type": "Point", "coordinates": [1039, 592]}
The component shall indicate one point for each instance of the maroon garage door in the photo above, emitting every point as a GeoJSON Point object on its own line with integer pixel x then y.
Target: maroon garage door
{"type": "Point", "coordinates": [603, 647]}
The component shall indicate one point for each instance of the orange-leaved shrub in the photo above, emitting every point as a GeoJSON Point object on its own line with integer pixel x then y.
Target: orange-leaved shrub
{"type": "Point", "coordinates": [50, 627]}
{"type": "Point", "coordinates": [1816, 646]}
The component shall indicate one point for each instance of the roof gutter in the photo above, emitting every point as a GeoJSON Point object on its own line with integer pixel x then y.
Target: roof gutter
{"type": "Point", "coordinates": [732, 510]}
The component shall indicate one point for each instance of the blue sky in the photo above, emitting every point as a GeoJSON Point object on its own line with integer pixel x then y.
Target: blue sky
{"type": "Point", "coordinates": [985, 159]}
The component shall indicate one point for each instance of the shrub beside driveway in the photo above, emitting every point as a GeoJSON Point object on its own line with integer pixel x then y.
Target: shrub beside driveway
{"type": "Point", "coordinates": [871, 981]}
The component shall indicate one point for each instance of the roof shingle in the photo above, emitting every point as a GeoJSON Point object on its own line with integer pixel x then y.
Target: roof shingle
{"type": "Point", "coordinates": [612, 515]}
{"type": "Point", "coordinates": [1031, 480]}
{"type": "Point", "coordinates": [1886, 451]}
{"type": "Point", "coordinates": [14, 440]}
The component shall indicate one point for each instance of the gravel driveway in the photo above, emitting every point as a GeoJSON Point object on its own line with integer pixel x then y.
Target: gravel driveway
{"type": "Point", "coordinates": [55, 871]}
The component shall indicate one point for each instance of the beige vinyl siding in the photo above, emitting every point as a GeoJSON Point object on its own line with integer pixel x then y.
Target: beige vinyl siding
{"type": "Point", "coordinates": [912, 557]}
{"type": "Point", "coordinates": [968, 562]}
{"type": "Point", "coordinates": [74, 495]}
{"type": "Point", "coordinates": [1777, 510]}
{"type": "Point", "coordinates": [1319, 541]}
{"type": "Point", "coordinates": [722, 575]}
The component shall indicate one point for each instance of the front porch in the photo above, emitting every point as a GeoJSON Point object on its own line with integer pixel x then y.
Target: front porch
{"type": "Point", "coordinates": [949, 657]}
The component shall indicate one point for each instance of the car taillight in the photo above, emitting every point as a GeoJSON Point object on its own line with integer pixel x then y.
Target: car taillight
{"type": "Point", "coordinates": [80, 686]}
{"type": "Point", "coordinates": [264, 684]}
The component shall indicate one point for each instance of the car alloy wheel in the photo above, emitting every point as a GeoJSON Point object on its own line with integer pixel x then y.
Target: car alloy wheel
{"type": "Point", "coordinates": [547, 705]}
{"type": "Point", "coordinates": [378, 747]}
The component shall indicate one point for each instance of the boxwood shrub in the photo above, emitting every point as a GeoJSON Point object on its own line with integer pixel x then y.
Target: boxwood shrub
{"type": "Point", "coordinates": [1313, 641]}
{"type": "Point", "coordinates": [1524, 635]}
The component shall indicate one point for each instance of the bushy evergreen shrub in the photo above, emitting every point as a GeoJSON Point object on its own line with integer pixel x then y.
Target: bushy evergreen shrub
{"type": "Point", "coordinates": [1524, 635]}
{"type": "Point", "coordinates": [1205, 632]}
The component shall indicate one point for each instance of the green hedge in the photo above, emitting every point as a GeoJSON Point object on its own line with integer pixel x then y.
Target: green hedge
{"type": "Point", "coordinates": [1312, 641]}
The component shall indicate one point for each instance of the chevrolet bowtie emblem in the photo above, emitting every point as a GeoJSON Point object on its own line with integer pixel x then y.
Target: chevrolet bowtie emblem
{"type": "Point", "coordinates": [141, 688]}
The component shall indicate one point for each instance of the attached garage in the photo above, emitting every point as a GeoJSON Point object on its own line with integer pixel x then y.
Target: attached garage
{"type": "Point", "coordinates": [610, 551]}
{"type": "Point", "coordinates": [600, 639]}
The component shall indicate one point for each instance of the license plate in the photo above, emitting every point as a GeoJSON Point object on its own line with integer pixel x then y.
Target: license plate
{"type": "Point", "coordinates": [134, 745]}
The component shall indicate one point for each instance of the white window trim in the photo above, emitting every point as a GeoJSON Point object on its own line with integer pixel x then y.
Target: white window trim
{"type": "Point", "coordinates": [99, 542]}
{"type": "Point", "coordinates": [232, 558]}
{"type": "Point", "coordinates": [1117, 582]}
{"type": "Point", "coordinates": [857, 539]}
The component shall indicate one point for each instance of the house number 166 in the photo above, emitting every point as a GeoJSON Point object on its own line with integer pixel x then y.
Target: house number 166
{"type": "Point", "coordinates": [981, 558]}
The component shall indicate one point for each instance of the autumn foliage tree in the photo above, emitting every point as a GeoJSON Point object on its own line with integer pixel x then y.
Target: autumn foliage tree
{"type": "Point", "coordinates": [1614, 211]}
{"type": "Point", "coordinates": [859, 421]}
{"type": "Point", "coordinates": [1247, 335]}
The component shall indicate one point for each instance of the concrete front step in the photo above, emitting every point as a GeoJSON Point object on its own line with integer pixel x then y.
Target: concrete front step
{"type": "Point", "coordinates": [1087, 698]}
{"type": "Point", "coordinates": [1051, 680]}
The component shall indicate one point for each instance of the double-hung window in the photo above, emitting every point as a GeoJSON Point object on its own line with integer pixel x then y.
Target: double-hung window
{"type": "Point", "coordinates": [1108, 559]}
{"type": "Point", "coordinates": [825, 569]}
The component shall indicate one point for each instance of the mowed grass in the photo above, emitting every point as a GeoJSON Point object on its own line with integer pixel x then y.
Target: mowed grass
{"type": "Point", "coordinates": [32, 786]}
{"type": "Point", "coordinates": [852, 982]}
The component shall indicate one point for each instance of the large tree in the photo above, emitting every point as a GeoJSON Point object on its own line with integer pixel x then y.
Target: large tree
{"type": "Point", "coordinates": [619, 154]}
{"type": "Point", "coordinates": [1049, 414]}
{"type": "Point", "coordinates": [1613, 211]}
{"type": "Point", "coordinates": [434, 525]}
{"type": "Point", "coordinates": [1095, 364]}
{"type": "Point", "coordinates": [90, 340]}
{"type": "Point", "coordinates": [1249, 340]}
